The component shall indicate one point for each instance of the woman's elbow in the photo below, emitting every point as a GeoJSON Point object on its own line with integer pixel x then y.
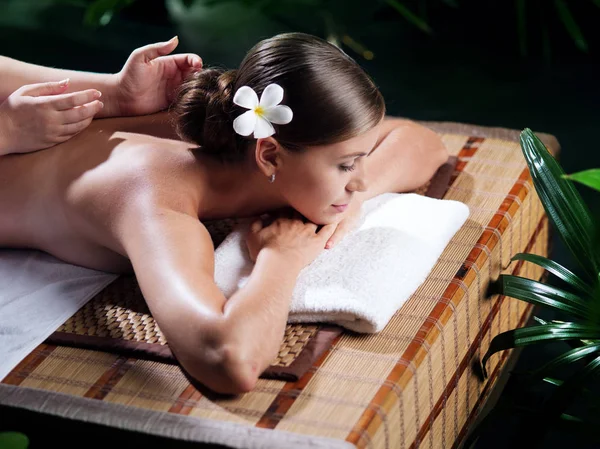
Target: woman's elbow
{"type": "Point", "coordinates": [225, 372]}
{"type": "Point", "coordinates": [433, 155]}
{"type": "Point", "coordinates": [436, 149]}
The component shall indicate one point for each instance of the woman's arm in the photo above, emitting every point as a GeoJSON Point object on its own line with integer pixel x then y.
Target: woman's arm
{"type": "Point", "coordinates": [224, 343]}
{"type": "Point", "coordinates": [406, 156]}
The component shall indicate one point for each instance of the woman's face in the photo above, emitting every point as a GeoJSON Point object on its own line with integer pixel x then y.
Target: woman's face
{"type": "Point", "coordinates": [316, 181]}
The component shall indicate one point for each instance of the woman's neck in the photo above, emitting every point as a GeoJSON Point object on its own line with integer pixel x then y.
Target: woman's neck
{"type": "Point", "coordinates": [234, 190]}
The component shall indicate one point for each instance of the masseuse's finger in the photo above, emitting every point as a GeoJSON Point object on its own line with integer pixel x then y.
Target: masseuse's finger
{"type": "Point", "coordinates": [43, 89]}
{"type": "Point", "coordinates": [80, 113]}
{"type": "Point", "coordinates": [74, 99]}
{"type": "Point", "coordinates": [152, 51]}
{"type": "Point", "coordinates": [184, 62]}
{"type": "Point", "coordinates": [73, 128]}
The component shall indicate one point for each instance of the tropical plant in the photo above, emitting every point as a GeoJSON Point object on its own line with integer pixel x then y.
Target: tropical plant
{"type": "Point", "coordinates": [530, 17]}
{"type": "Point", "coordinates": [546, 9]}
{"type": "Point", "coordinates": [13, 440]}
{"type": "Point", "coordinates": [578, 300]}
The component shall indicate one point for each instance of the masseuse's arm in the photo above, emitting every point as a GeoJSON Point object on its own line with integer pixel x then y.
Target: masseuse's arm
{"type": "Point", "coordinates": [406, 156]}
{"type": "Point", "coordinates": [15, 74]}
{"type": "Point", "coordinates": [43, 106]}
{"type": "Point", "coordinates": [146, 84]}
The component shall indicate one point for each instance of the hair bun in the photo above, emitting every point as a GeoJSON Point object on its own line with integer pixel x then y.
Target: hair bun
{"type": "Point", "coordinates": [225, 84]}
{"type": "Point", "coordinates": [203, 107]}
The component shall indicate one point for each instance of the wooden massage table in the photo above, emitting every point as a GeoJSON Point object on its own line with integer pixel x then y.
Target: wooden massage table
{"type": "Point", "coordinates": [411, 385]}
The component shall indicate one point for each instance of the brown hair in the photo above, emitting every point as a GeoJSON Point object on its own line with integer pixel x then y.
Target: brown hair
{"type": "Point", "coordinates": [332, 98]}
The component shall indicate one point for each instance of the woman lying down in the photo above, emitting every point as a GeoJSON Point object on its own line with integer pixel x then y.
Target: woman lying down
{"type": "Point", "coordinates": [298, 127]}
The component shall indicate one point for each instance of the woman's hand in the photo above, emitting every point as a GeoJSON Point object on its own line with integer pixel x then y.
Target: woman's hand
{"type": "Point", "coordinates": [289, 235]}
{"type": "Point", "coordinates": [38, 116]}
{"type": "Point", "coordinates": [346, 224]}
{"type": "Point", "coordinates": [149, 79]}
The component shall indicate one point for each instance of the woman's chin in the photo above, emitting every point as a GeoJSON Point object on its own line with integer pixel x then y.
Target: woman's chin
{"type": "Point", "coordinates": [332, 218]}
{"type": "Point", "coordinates": [328, 216]}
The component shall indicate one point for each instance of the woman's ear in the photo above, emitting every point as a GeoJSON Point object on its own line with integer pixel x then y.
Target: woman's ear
{"type": "Point", "coordinates": [268, 155]}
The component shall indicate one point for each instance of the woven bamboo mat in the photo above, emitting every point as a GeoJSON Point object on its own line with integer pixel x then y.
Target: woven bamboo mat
{"type": "Point", "coordinates": [411, 385]}
{"type": "Point", "coordinates": [117, 320]}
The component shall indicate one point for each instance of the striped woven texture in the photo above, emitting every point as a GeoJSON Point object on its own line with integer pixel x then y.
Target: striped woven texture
{"type": "Point", "coordinates": [412, 384]}
{"type": "Point", "coordinates": [120, 312]}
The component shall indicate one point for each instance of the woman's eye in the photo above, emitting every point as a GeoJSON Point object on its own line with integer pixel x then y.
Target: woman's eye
{"type": "Point", "coordinates": [348, 168]}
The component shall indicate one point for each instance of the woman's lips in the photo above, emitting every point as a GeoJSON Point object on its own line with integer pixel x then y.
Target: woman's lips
{"type": "Point", "coordinates": [340, 208]}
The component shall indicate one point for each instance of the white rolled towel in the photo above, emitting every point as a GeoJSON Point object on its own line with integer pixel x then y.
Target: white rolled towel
{"type": "Point", "coordinates": [362, 281]}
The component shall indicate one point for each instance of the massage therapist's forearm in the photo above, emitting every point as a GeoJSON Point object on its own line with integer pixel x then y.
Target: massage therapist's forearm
{"type": "Point", "coordinates": [15, 74]}
{"type": "Point", "coordinates": [256, 315]}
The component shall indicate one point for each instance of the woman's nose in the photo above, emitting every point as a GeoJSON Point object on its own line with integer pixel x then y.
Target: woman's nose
{"type": "Point", "coordinates": [358, 183]}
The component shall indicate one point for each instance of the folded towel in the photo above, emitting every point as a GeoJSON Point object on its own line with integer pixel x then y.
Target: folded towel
{"type": "Point", "coordinates": [39, 293]}
{"type": "Point", "coordinates": [362, 281]}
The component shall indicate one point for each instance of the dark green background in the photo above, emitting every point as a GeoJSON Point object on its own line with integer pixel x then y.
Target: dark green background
{"type": "Point", "coordinates": [469, 70]}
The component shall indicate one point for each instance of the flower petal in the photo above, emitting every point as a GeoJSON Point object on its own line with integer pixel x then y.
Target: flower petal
{"type": "Point", "coordinates": [271, 96]}
{"type": "Point", "coordinates": [280, 115]}
{"type": "Point", "coordinates": [245, 123]}
{"type": "Point", "coordinates": [246, 97]}
{"type": "Point", "coordinates": [263, 128]}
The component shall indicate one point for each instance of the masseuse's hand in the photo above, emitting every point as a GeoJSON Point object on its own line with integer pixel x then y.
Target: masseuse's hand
{"type": "Point", "coordinates": [38, 116]}
{"type": "Point", "coordinates": [150, 78]}
{"type": "Point", "coordinates": [349, 221]}
{"type": "Point", "coordinates": [289, 235]}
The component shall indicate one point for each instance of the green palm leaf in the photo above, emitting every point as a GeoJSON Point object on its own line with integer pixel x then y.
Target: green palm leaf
{"type": "Point", "coordinates": [410, 16]}
{"type": "Point", "coordinates": [553, 381]}
{"type": "Point", "coordinates": [572, 356]}
{"type": "Point", "coordinates": [590, 178]}
{"type": "Point", "coordinates": [100, 12]}
{"type": "Point", "coordinates": [570, 24]}
{"type": "Point", "coordinates": [453, 3]}
{"type": "Point", "coordinates": [563, 395]}
{"type": "Point", "coordinates": [557, 270]}
{"type": "Point", "coordinates": [538, 293]}
{"type": "Point", "coordinates": [13, 440]}
{"type": "Point", "coordinates": [590, 395]}
{"type": "Point", "coordinates": [563, 204]}
{"type": "Point", "coordinates": [539, 334]}
{"type": "Point", "coordinates": [522, 26]}
{"type": "Point", "coordinates": [578, 426]}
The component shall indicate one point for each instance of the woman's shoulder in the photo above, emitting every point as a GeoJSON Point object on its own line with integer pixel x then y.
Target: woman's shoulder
{"type": "Point", "coordinates": [158, 125]}
{"type": "Point", "coordinates": [137, 176]}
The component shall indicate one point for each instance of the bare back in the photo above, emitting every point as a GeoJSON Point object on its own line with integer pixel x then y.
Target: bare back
{"type": "Point", "coordinates": [123, 196]}
{"type": "Point", "coordinates": [68, 200]}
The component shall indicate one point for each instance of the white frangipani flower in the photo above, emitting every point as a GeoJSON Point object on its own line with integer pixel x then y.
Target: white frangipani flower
{"type": "Point", "coordinates": [262, 113]}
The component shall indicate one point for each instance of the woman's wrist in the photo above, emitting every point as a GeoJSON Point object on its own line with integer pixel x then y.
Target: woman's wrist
{"type": "Point", "coordinates": [277, 258]}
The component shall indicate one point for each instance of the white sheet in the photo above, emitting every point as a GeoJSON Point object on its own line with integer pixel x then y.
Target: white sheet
{"type": "Point", "coordinates": [38, 293]}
